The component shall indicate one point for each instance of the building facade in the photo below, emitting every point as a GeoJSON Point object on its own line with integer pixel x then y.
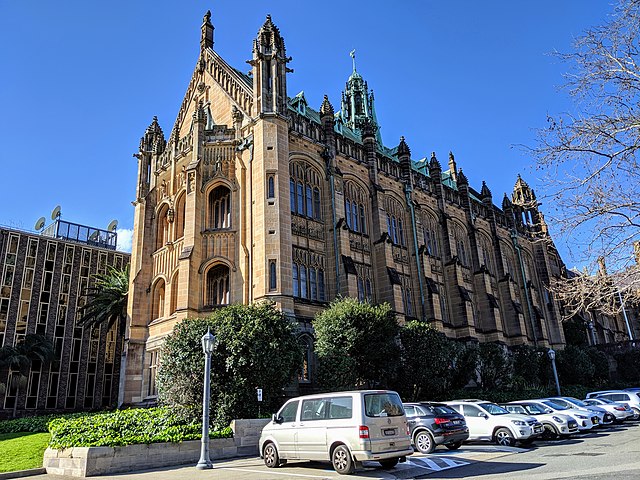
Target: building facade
{"type": "Point", "coordinates": [255, 195]}
{"type": "Point", "coordinates": [43, 281]}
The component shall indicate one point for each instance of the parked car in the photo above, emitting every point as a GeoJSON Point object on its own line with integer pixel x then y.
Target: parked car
{"type": "Point", "coordinates": [555, 424]}
{"type": "Point", "coordinates": [621, 396]}
{"type": "Point", "coordinates": [434, 424]}
{"type": "Point", "coordinates": [604, 418]}
{"type": "Point", "coordinates": [344, 428]}
{"type": "Point", "coordinates": [621, 411]}
{"type": "Point", "coordinates": [632, 389]}
{"type": "Point", "coordinates": [583, 417]}
{"type": "Point", "coordinates": [488, 421]}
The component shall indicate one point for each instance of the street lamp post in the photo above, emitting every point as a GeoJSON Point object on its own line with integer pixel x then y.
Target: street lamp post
{"type": "Point", "coordinates": [552, 356]}
{"type": "Point", "coordinates": [208, 341]}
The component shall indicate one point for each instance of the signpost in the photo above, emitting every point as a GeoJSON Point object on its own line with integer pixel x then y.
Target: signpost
{"type": "Point", "coordinates": [259, 392]}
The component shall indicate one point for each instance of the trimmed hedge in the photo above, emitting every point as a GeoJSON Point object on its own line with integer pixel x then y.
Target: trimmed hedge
{"type": "Point", "coordinates": [129, 427]}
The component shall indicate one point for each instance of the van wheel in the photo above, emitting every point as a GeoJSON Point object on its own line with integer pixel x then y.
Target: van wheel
{"type": "Point", "coordinates": [424, 442]}
{"type": "Point", "coordinates": [454, 445]}
{"type": "Point", "coordinates": [389, 463]}
{"type": "Point", "coordinates": [270, 454]}
{"type": "Point", "coordinates": [504, 437]}
{"type": "Point", "coordinates": [342, 461]}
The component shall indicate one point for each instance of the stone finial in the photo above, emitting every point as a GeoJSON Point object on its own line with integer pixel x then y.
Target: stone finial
{"type": "Point", "coordinates": [206, 38]}
{"type": "Point", "coordinates": [485, 192]}
{"type": "Point", "coordinates": [462, 179]}
{"type": "Point", "coordinates": [403, 148]}
{"type": "Point", "coordinates": [326, 108]}
{"type": "Point", "coordinates": [434, 163]}
{"type": "Point", "coordinates": [506, 203]}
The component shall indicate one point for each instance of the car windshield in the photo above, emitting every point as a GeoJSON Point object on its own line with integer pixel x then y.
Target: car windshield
{"type": "Point", "coordinates": [577, 402]}
{"type": "Point", "coordinates": [387, 404]}
{"type": "Point", "coordinates": [493, 409]}
{"type": "Point", "coordinates": [554, 405]}
{"type": "Point", "coordinates": [534, 409]}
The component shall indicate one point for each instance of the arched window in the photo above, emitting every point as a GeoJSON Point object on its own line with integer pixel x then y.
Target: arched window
{"type": "Point", "coordinates": [486, 252]}
{"type": "Point", "coordinates": [430, 235]}
{"type": "Point", "coordinates": [395, 224]}
{"type": "Point", "coordinates": [462, 252]}
{"type": "Point", "coordinates": [157, 309]}
{"type": "Point", "coordinates": [162, 232]}
{"type": "Point", "coordinates": [217, 286]}
{"type": "Point", "coordinates": [305, 191]}
{"type": "Point", "coordinates": [180, 212]}
{"type": "Point", "coordinates": [354, 207]}
{"type": "Point", "coordinates": [307, 348]}
{"type": "Point", "coordinates": [173, 305]}
{"type": "Point", "coordinates": [220, 208]}
{"type": "Point", "coordinates": [308, 282]}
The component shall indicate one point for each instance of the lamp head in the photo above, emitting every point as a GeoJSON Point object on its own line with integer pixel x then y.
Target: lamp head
{"type": "Point", "coordinates": [552, 354]}
{"type": "Point", "coordinates": [208, 342]}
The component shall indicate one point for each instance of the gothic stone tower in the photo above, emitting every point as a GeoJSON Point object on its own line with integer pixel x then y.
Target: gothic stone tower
{"type": "Point", "coordinates": [256, 196]}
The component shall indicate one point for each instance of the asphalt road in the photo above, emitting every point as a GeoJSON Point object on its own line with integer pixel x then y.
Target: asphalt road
{"type": "Point", "coordinates": [605, 454]}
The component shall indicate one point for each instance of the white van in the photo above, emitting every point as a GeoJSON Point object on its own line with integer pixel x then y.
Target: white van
{"type": "Point", "coordinates": [344, 428]}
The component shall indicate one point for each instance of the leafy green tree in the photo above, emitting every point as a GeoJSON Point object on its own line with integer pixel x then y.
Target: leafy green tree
{"type": "Point", "coordinates": [574, 366]}
{"type": "Point", "coordinates": [465, 362]}
{"type": "Point", "coordinates": [256, 347]}
{"type": "Point", "coordinates": [628, 361]}
{"type": "Point", "coordinates": [32, 352]}
{"type": "Point", "coordinates": [107, 299]}
{"type": "Point", "coordinates": [494, 365]}
{"type": "Point", "coordinates": [427, 362]}
{"type": "Point", "coordinates": [356, 345]}
{"type": "Point", "coordinates": [600, 366]}
{"type": "Point", "coordinates": [531, 366]}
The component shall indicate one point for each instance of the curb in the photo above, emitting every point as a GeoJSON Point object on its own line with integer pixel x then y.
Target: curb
{"type": "Point", "coordinates": [23, 473]}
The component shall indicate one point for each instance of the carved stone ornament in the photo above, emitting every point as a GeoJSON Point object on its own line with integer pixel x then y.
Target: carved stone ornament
{"type": "Point", "coordinates": [171, 215]}
{"type": "Point", "coordinates": [191, 186]}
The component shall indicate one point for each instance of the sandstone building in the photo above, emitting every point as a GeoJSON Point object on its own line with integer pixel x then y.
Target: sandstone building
{"type": "Point", "coordinates": [43, 281]}
{"type": "Point", "coordinates": [255, 194]}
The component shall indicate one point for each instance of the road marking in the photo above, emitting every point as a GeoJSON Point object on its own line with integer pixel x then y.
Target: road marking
{"type": "Point", "coordinates": [435, 464]}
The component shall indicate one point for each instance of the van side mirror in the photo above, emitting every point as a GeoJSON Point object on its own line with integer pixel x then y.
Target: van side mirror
{"type": "Point", "coordinates": [483, 415]}
{"type": "Point", "coordinates": [276, 419]}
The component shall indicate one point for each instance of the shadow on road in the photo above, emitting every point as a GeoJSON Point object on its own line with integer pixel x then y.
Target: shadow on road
{"type": "Point", "coordinates": [483, 468]}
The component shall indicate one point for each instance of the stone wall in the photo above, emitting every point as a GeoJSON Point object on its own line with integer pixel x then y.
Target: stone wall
{"type": "Point", "coordinates": [91, 461]}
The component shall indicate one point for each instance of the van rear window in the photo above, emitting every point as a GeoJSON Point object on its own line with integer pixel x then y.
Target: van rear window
{"type": "Point", "coordinates": [383, 405]}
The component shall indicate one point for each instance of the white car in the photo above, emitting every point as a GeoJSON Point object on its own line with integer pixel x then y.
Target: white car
{"type": "Point", "coordinates": [488, 421]}
{"type": "Point", "coordinates": [621, 411]}
{"type": "Point", "coordinates": [621, 396]}
{"type": "Point", "coordinates": [604, 418]}
{"type": "Point", "coordinates": [555, 424]}
{"type": "Point", "coordinates": [583, 417]}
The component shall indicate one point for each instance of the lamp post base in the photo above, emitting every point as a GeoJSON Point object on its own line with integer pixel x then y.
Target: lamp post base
{"type": "Point", "coordinates": [204, 465]}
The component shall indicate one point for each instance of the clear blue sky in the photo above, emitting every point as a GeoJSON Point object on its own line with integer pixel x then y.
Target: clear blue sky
{"type": "Point", "coordinates": [81, 80]}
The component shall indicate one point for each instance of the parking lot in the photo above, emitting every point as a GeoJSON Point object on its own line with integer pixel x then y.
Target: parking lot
{"type": "Point", "coordinates": [612, 452]}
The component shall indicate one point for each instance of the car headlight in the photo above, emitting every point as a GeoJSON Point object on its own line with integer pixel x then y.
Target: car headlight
{"type": "Point", "coordinates": [558, 419]}
{"type": "Point", "coordinates": [520, 423]}
{"type": "Point", "coordinates": [582, 417]}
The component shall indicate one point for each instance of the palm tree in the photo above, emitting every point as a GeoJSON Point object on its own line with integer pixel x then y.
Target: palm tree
{"type": "Point", "coordinates": [107, 299]}
{"type": "Point", "coordinates": [34, 349]}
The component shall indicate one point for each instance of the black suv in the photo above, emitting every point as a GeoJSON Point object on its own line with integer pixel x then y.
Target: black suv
{"type": "Point", "coordinates": [434, 424]}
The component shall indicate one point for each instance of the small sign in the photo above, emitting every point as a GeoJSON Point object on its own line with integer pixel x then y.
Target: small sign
{"type": "Point", "coordinates": [259, 390]}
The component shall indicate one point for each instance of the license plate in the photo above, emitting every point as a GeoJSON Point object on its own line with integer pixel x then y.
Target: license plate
{"type": "Point", "coordinates": [538, 429]}
{"type": "Point", "coordinates": [389, 431]}
{"type": "Point", "coordinates": [595, 420]}
{"type": "Point", "coordinates": [456, 422]}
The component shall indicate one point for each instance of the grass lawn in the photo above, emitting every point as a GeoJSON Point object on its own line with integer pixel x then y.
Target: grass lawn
{"type": "Point", "coordinates": [21, 451]}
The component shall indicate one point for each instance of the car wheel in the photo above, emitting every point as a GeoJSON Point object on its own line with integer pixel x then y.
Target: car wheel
{"type": "Point", "coordinates": [454, 445]}
{"type": "Point", "coordinates": [550, 432]}
{"type": "Point", "coordinates": [342, 461]}
{"type": "Point", "coordinates": [389, 463]}
{"type": "Point", "coordinates": [424, 442]}
{"type": "Point", "coordinates": [270, 454]}
{"type": "Point", "coordinates": [504, 437]}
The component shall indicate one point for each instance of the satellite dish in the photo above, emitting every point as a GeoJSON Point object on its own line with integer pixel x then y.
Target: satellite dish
{"type": "Point", "coordinates": [113, 225]}
{"type": "Point", "coordinates": [40, 223]}
{"type": "Point", "coordinates": [55, 214]}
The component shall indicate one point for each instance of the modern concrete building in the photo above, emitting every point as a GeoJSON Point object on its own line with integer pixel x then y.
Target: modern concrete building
{"type": "Point", "coordinates": [43, 280]}
{"type": "Point", "coordinates": [256, 195]}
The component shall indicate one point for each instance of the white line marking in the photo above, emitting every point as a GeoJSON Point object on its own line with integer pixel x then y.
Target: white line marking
{"type": "Point", "coordinates": [271, 472]}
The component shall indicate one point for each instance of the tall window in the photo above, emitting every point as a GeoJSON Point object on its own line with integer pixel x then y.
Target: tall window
{"type": "Point", "coordinates": [180, 212]}
{"type": "Point", "coordinates": [304, 191]}
{"type": "Point", "coordinates": [486, 251]}
{"type": "Point", "coordinates": [173, 304]}
{"type": "Point", "coordinates": [462, 252]}
{"type": "Point", "coordinates": [162, 229]}
{"type": "Point", "coordinates": [273, 283]}
{"type": "Point", "coordinates": [395, 216]}
{"type": "Point", "coordinates": [430, 236]}
{"type": "Point", "coordinates": [354, 207]}
{"type": "Point", "coordinates": [363, 282]}
{"type": "Point", "coordinates": [220, 208]}
{"type": "Point", "coordinates": [158, 300]}
{"type": "Point", "coordinates": [271, 186]}
{"type": "Point", "coordinates": [308, 282]}
{"type": "Point", "coordinates": [217, 286]}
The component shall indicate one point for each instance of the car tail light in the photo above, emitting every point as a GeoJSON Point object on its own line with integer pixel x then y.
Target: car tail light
{"type": "Point", "coordinates": [621, 409]}
{"type": "Point", "coordinates": [440, 420]}
{"type": "Point", "coordinates": [363, 431]}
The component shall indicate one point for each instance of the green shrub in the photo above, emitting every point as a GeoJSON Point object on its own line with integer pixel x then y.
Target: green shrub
{"type": "Point", "coordinates": [574, 366]}
{"type": "Point", "coordinates": [256, 347]}
{"type": "Point", "coordinates": [32, 424]}
{"type": "Point", "coordinates": [129, 427]}
{"type": "Point", "coordinates": [628, 365]}
{"type": "Point", "coordinates": [494, 365]}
